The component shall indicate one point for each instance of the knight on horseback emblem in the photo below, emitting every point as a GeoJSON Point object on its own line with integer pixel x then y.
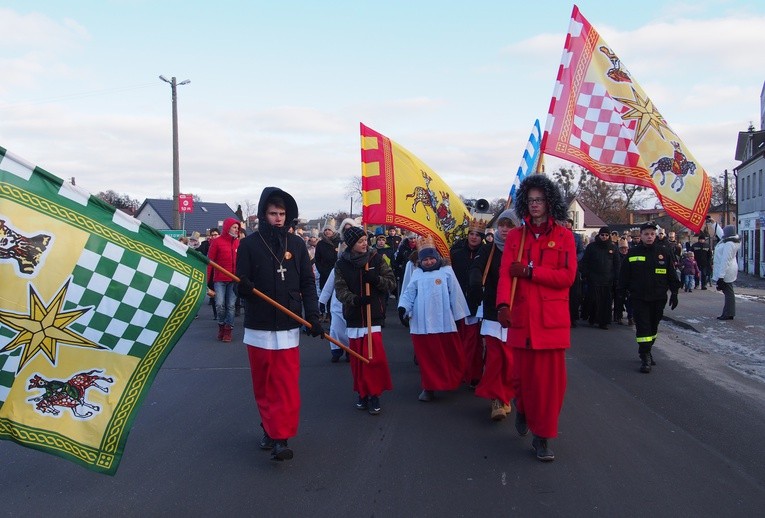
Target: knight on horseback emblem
{"type": "Point", "coordinates": [678, 164]}
{"type": "Point", "coordinates": [445, 219]}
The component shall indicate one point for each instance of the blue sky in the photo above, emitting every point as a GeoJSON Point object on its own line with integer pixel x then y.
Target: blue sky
{"type": "Point", "coordinates": [278, 88]}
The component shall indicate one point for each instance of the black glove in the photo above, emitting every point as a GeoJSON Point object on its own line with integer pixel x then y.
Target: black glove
{"type": "Point", "coordinates": [474, 298]}
{"type": "Point", "coordinates": [316, 329]}
{"type": "Point", "coordinates": [322, 308]}
{"type": "Point", "coordinates": [720, 284]}
{"type": "Point", "coordinates": [402, 316]}
{"type": "Point", "coordinates": [371, 276]}
{"type": "Point", "coordinates": [245, 287]}
{"type": "Point", "coordinates": [363, 300]}
{"type": "Point", "coordinates": [673, 300]}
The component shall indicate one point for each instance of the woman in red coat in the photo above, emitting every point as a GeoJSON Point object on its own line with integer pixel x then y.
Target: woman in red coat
{"type": "Point", "coordinates": [223, 252]}
{"type": "Point", "coordinates": [540, 256]}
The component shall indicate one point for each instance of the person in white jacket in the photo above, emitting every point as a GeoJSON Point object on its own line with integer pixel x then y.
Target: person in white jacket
{"type": "Point", "coordinates": [725, 269]}
{"type": "Point", "coordinates": [337, 327]}
{"type": "Point", "coordinates": [430, 304]}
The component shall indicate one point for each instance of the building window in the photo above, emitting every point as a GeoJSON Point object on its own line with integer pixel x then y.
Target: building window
{"type": "Point", "coordinates": [761, 182]}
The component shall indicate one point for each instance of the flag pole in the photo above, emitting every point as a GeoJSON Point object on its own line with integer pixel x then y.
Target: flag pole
{"type": "Point", "coordinates": [286, 311]}
{"type": "Point", "coordinates": [368, 292]}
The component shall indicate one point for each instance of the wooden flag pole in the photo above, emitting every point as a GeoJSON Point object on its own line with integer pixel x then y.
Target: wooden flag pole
{"type": "Point", "coordinates": [368, 292]}
{"type": "Point", "coordinates": [286, 311]}
{"type": "Point", "coordinates": [515, 279]}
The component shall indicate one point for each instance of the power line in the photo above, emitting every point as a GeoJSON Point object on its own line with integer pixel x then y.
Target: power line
{"type": "Point", "coordinates": [80, 95]}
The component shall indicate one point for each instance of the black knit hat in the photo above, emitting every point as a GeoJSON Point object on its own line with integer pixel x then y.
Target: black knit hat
{"type": "Point", "coordinates": [352, 234]}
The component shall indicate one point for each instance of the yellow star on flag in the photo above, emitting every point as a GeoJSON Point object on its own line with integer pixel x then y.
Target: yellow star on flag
{"type": "Point", "coordinates": [645, 113]}
{"type": "Point", "coordinates": [44, 328]}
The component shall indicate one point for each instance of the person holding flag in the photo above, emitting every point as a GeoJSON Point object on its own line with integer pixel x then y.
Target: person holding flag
{"type": "Point", "coordinates": [538, 267]}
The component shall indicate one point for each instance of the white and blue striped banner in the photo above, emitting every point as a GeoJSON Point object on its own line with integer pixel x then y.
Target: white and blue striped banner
{"type": "Point", "coordinates": [530, 158]}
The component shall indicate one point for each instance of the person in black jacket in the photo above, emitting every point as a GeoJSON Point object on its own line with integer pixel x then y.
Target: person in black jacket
{"type": "Point", "coordinates": [496, 382]}
{"type": "Point", "coordinates": [600, 269]}
{"type": "Point", "coordinates": [325, 256]}
{"type": "Point", "coordinates": [362, 282]}
{"type": "Point", "coordinates": [277, 263]}
{"type": "Point", "coordinates": [646, 274]}
{"type": "Point", "coordinates": [462, 254]}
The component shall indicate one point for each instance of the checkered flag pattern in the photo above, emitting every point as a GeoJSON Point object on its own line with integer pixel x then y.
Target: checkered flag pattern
{"type": "Point", "coordinates": [599, 129]}
{"type": "Point", "coordinates": [131, 297]}
{"type": "Point", "coordinates": [9, 362]}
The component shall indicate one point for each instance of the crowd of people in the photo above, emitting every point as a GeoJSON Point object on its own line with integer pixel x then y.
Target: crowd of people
{"type": "Point", "coordinates": [494, 315]}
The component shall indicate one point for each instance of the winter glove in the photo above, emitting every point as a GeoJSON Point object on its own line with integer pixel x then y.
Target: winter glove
{"type": "Point", "coordinates": [474, 298]}
{"type": "Point", "coordinates": [245, 287]}
{"type": "Point", "coordinates": [371, 276]}
{"type": "Point", "coordinates": [520, 270]}
{"type": "Point", "coordinates": [316, 329]}
{"type": "Point", "coordinates": [363, 300]}
{"type": "Point", "coordinates": [322, 308]}
{"type": "Point", "coordinates": [673, 300]}
{"type": "Point", "coordinates": [503, 316]}
{"type": "Point", "coordinates": [720, 284]}
{"type": "Point", "coordinates": [402, 316]}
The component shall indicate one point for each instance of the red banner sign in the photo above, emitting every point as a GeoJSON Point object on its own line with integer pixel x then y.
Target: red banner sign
{"type": "Point", "coordinates": [185, 203]}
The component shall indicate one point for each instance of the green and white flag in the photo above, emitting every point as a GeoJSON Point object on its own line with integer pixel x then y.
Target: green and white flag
{"type": "Point", "coordinates": [91, 303]}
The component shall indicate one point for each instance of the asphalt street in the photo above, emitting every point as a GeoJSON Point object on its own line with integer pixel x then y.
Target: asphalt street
{"type": "Point", "coordinates": [684, 440]}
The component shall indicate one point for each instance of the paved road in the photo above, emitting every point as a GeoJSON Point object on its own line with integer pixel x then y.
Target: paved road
{"type": "Point", "coordinates": [684, 440]}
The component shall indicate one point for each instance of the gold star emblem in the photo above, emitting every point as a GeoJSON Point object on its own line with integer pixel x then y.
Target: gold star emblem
{"type": "Point", "coordinates": [44, 328]}
{"type": "Point", "coordinates": [646, 115]}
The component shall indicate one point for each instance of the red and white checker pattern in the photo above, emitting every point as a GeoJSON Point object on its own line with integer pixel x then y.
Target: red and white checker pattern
{"type": "Point", "coordinates": [599, 129]}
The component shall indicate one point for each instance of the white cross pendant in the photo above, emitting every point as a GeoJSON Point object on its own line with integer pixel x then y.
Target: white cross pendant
{"type": "Point", "coordinates": [281, 270]}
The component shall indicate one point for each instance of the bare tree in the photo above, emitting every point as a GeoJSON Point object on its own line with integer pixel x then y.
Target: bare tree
{"type": "Point", "coordinates": [122, 202]}
{"type": "Point", "coordinates": [567, 180]}
{"type": "Point", "coordinates": [353, 190]}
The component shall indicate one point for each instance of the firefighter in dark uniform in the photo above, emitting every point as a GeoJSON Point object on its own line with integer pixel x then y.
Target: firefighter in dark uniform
{"type": "Point", "coordinates": [646, 274]}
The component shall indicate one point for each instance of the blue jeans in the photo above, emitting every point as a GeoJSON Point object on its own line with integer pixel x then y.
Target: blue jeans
{"type": "Point", "coordinates": [225, 299]}
{"type": "Point", "coordinates": [689, 281]}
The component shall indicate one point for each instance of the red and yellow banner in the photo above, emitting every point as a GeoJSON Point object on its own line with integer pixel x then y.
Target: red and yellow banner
{"type": "Point", "coordinates": [399, 189]}
{"type": "Point", "coordinates": [601, 119]}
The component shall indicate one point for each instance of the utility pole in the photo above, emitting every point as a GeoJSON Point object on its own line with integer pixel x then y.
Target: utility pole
{"type": "Point", "coordinates": [176, 165]}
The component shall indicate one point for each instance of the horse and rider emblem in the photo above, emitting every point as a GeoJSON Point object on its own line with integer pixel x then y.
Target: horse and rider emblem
{"type": "Point", "coordinates": [677, 164]}
{"type": "Point", "coordinates": [444, 219]}
{"type": "Point", "coordinates": [69, 394]}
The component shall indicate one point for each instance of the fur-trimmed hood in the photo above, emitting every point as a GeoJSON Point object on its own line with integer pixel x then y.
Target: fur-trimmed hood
{"type": "Point", "coordinates": [555, 204]}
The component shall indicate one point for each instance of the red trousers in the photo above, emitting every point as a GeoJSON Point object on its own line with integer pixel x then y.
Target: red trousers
{"type": "Point", "coordinates": [277, 393]}
{"type": "Point", "coordinates": [471, 341]}
{"type": "Point", "coordinates": [370, 379]}
{"type": "Point", "coordinates": [497, 381]}
{"type": "Point", "coordinates": [540, 375]}
{"type": "Point", "coordinates": [441, 359]}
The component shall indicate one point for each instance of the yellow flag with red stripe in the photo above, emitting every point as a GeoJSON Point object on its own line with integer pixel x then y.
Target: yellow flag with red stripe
{"type": "Point", "coordinates": [399, 189]}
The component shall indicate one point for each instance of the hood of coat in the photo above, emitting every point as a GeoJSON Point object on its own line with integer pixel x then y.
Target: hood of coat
{"type": "Point", "coordinates": [290, 205]}
{"type": "Point", "coordinates": [556, 207]}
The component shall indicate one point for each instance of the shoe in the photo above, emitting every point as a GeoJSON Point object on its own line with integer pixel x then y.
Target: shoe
{"type": "Point", "coordinates": [336, 355]}
{"type": "Point", "coordinates": [347, 358]}
{"type": "Point", "coordinates": [645, 365]}
{"type": "Point", "coordinates": [281, 451]}
{"type": "Point", "coordinates": [725, 318]}
{"type": "Point", "coordinates": [227, 329]}
{"type": "Point", "coordinates": [426, 396]}
{"type": "Point", "coordinates": [508, 408]}
{"type": "Point", "coordinates": [543, 452]}
{"type": "Point", "coordinates": [473, 384]}
{"type": "Point", "coordinates": [520, 423]}
{"type": "Point", "coordinates": [703, 287]}
{"type": "Point", "coordinates": [362, 403]}
{"type": "Point", "coordinates": [374, 405]}
{"type": "Point", "coordinates": [497, 410]}
{"type": "Point", "coordinates": [220, 332]}
{"type": "Point", "coordinates": [603, 326]}
{"type": "Point", "coordinates": [266, 443]}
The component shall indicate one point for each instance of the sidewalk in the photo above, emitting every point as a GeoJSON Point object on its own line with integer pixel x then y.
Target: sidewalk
{"type": "Point", "coordinates": [739, 342]}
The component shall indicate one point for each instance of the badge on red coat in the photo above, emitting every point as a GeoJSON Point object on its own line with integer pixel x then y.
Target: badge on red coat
{"type": "Point", "coordinates": [551, 244]}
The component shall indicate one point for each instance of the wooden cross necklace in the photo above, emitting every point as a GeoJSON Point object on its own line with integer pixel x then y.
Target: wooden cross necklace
{"type": "Point", "coordinates": [287, 255]}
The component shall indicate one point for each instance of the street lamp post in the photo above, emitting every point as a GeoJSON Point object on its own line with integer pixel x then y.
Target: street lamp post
{"type": "Point", "coordinates": [176, 167]}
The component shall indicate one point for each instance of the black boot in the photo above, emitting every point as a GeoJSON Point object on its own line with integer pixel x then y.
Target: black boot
{"type": "Point", "coordinates": [645, 365]}
{"type": "Point", "coordinates": [520, 422]}
{"type": "Point", "coordinates": [542, 450]}
{"type": "Point", "coordinates": [281, 451]}
{"type": "Point", "coordinates": [266, 443]}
